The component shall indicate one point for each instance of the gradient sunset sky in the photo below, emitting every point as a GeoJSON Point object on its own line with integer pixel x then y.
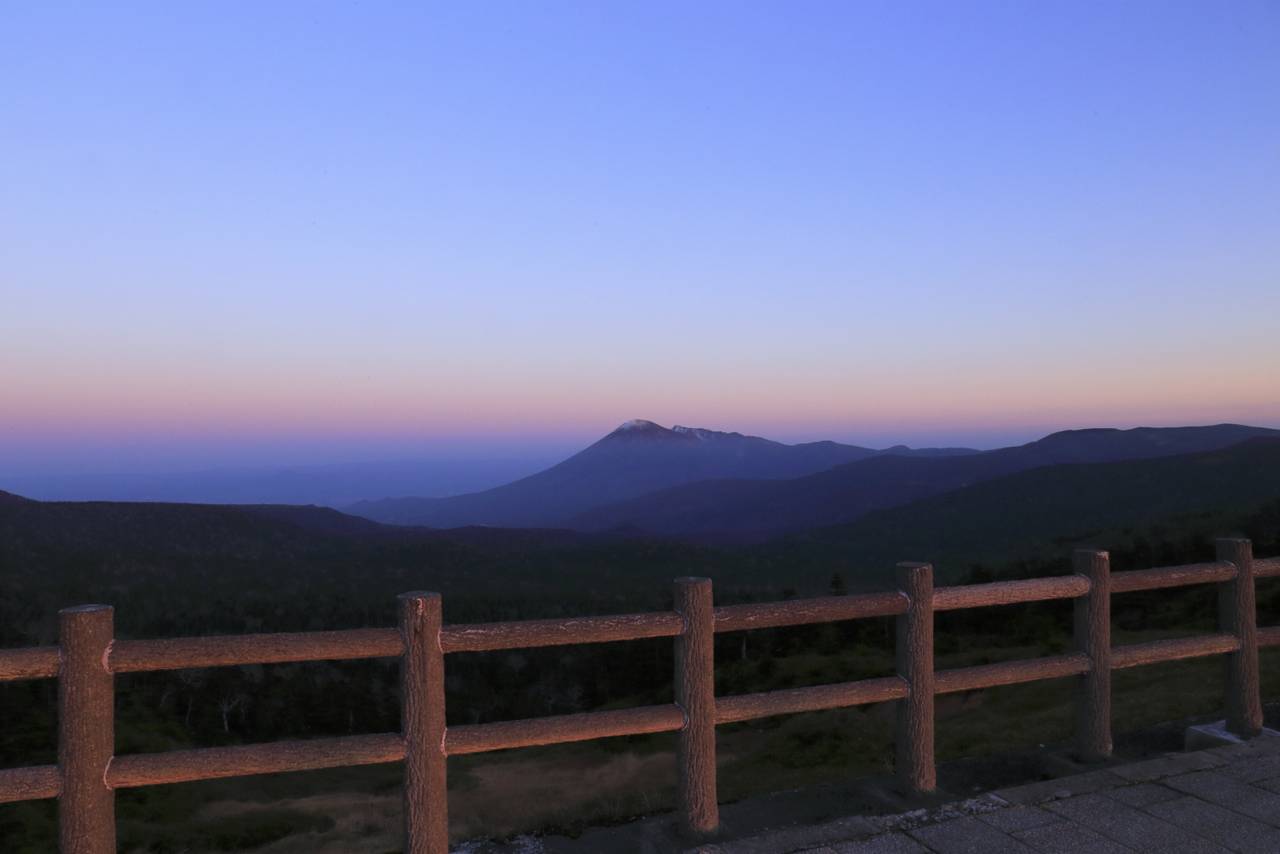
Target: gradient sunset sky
{"type": "Point", "coordinates": [237, 233]}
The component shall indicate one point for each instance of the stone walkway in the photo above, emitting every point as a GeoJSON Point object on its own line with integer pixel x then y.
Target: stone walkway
{"type": "Point", "coordinates": [1221, 799]}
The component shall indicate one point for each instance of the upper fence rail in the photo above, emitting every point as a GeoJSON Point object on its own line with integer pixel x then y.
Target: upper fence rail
{"type": "Point", "coordinates": [134, 656]}
{"type": "Point", "coordinates": [88, 657]}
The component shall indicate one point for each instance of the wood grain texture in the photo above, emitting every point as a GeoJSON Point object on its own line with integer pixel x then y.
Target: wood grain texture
{"type": "Point", "coordinates": [29, 784]}
{"type": "Point", "coordinates": [1175, 649]}
{"type": "Point", "coordinates": [1172, 576]}
{"type": "Point", "coordinates": [132, 656]}
{"type": "Point", "coordinates": [695, 694]}
{"type": "Point", "coordinates": [481, 637]}
{"type": "Point", "coordinates": [35, 662]}
{"type": "Point", "coordinates": [799, 612]}
{"type": "Point", "coordinates": [1238, 615]}
{"type": "Point", "coordinates": [562, 729]}
{"type": "Point", "coordinates": [1009, 673]}
{"type": "Point", "coordinates": [86, 731]}
{"type": "Point", "coordinates": [1266, 567]}
{"type": "Point", "coordinates": [746, 707]}
{"type": "Point", "coordinates": [277, 757]}
{"type": "Point", "coordinates": [913, 650]}
{"type": "Point", "coordinates": [1009, 592]}
{"type": "Point", "coordinates": [1092, 618]}
{"type": "Point", "coordinates": [1269, 636]}
{"type": "Point", "coordinates": [422, 723]}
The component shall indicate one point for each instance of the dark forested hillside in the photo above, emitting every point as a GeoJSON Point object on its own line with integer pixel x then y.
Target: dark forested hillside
{"type": "Point", "coordinates": [1043, 513]}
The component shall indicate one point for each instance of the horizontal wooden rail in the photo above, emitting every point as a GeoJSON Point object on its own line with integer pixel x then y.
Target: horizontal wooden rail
{"type": "Point", "coordinates": [30, 784]}
{"type": "Point", "coordinates": [485, 637]}
{"type": "Point", "coordinates": [1176, 649]}
{"type": "Point", "coordinates": [37, 662]}
{"type": "Point", "coordinates": [277, 757]}
{"type": "Point", "coordinates": [1266, 567]}
{"type": "Point", "coordinates": [1010, 673]}
{"type": "Point", "coordinates": [1009, 592]}
{"type": "Point", "coordinates": [799, 612]}
{"type": "Point", "coordinates": [133, 656]}
{"type": "Point", "coordinates": [746, 707]}
{"type": "Point", "coordinates": [1214, 572]}
{"type": "Point", "coordinates": [561, 729]}
{"type": "Point", "coordinates": [1269, 636]}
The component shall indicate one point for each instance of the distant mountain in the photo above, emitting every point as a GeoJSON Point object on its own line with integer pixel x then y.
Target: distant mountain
{"type": "Point", "coordinates": [753, 510]}
{"type": "Point", "coordinates": [637, 458]}
{"type": "Point", "coordinates": [1046, 512]}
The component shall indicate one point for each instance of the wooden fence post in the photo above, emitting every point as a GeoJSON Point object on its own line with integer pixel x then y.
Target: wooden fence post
{"type": "Point", "coordinates": [422, 724]}
{"type": "Point", "coordinates": [1238, 615]}
{"type": "Point", "coordinates": [86, 731]}
{"type": "Point", "coordinates": [695, 694]}
{"type": "Point", "coordinates": [914, 654]}
{"type": "Point", "coordinates": [1093, 640]}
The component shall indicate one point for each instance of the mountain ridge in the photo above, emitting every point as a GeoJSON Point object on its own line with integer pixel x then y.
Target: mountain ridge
{"type": "Point", "coordinates": [636, 458]}
{"type": "Point", "coordinates": [738, 510]}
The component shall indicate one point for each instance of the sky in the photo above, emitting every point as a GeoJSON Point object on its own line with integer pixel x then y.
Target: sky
{"type": "Point", "coordinates": [243, 234]}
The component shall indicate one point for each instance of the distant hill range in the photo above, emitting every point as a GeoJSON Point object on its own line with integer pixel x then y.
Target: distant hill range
{"type": "Point", "coordinates": [638, 458]}
{"type": "Point", "coordinates": [1041, 512]}
{"type": "Point", "coordinates": [1045, 512]}
{"type": "Point", "coordinates": [742, 510]}
{"type": "Point", "coordinates": [725, 487]}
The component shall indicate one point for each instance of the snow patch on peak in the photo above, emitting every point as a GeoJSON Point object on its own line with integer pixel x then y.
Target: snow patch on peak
{"type": "Point", "coordinates": [696, 432]}
{"type": "Point", "coordinates": [637, 424]}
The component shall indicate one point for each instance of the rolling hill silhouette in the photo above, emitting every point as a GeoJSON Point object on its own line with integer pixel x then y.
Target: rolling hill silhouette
{"type": "Point", "coordinates": [1046, 512]}
{"type": "Point", "coordinates": [742, 510]}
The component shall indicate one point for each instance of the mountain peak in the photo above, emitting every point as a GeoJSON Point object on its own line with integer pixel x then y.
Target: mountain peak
{"type": "Point", "coordinates": [638, 427]}
{"type": "Point", "coordinates": [638, 424]}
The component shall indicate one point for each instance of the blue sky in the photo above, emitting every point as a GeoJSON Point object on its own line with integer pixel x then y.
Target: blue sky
{"type": "Point", "coordinates": [238, 232]}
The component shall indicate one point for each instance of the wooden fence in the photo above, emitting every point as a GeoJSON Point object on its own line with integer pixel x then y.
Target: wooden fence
{"type": "Point", "coordinates": [87, 658]}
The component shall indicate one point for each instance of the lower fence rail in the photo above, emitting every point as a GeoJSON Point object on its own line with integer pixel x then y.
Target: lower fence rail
{"type": "Point", "coordinates": [87, 658]}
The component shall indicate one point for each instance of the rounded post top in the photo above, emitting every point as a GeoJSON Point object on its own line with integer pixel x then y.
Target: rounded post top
{"type": "Point", "coordinates": [1237, 550]}
{"type": "Point", "coordinates": [692, 581]}
{"type": "Point", "coordinates": [913, 569]}
{"type": "Point", "coordinates": [914, 577]}
{"type": "Point", "coordinates": [1083, 552]}
{"type": "Point", "coordinates": [86, 609]}
{"type": "Point", "coordinates": [418, 594]}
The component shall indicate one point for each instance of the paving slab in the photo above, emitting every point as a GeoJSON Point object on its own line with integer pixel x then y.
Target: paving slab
{"type": "Point", "coordinates": [1167, 766]}
{"type": "Point", "coordinates": [1272, 785]}
{"type": "Point", "coordinates": [1016, 818]}
{"type": "Point", "coordinates": [1143, 794]}
{"type": "Point", "coordinates": [1068, 838]}
{"type": "Point", "coordinates": [1263, 767]}
{"type": "Point", "coordinates": [1225, 791]}
{"type": "Point", "coordinates": [1063, 787]}
{"type": "Point", "coordinates": [1229, 829]}
{"type": "Point", "coordinates": [888, 843]}
{"type": "Point", "coordinates": [968, 836]}
{"type": "Point", "coordinates": [1128, 826]}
